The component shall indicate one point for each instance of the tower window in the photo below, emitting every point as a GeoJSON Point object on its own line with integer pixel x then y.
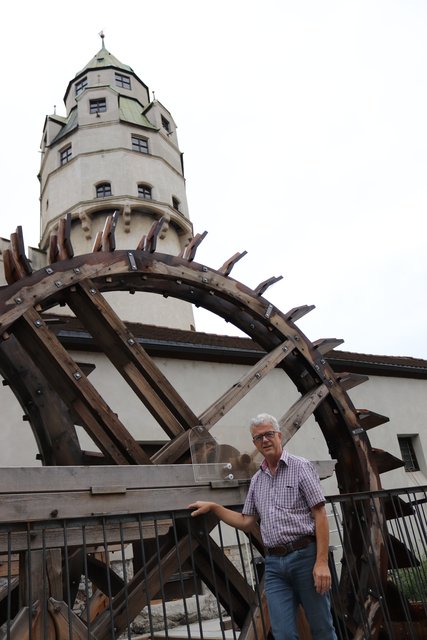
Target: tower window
{"type": "Point", "coordinates": [122, 81]}
{"type": "Point", "coordinates": [139, 144]}
{"type": "Point", "coordinates": [99, 105]}
{"type": "Point", "coordinates": [166, 124]}
{"type": "Point", "coordinates": [175, 203]}
{"type": "Point", "coordinates": [144, 191]}
{"type": "Point", "coordinates": [103, 190]}
{"type": "Point", "coordinates": [65, 155]}
{"type": "Point", "coordinates": [80, 86]}
{"type": "Point", "coordinates": [406, 444]}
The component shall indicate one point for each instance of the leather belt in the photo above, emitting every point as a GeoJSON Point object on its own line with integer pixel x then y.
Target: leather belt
{"type": "Point", "coordinates": [283, 550]}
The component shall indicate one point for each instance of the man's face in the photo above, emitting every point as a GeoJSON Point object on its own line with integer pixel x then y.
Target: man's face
{"type": "Point", "coordinates": [271, 442]}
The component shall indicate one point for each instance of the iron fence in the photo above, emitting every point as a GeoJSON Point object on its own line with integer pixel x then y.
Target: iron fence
{"type": "Point", "coordinates": [167, 575]}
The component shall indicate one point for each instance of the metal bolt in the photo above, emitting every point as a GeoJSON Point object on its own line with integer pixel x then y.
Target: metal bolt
{"type": "Point", "coordinates": [92, 291]}
{"type": "Point", "coordinates": [204, 280]}
{"type": "Point", "coordinates": [76, 270]}
{"type": "Point", "coordinates": [38, 323]}
{"type": "Point", "coordinates": [18, 300]}
{"type": "Point", "coordinates": [131, 341]}
{"type": "Point", "coordinates": [77, 375]}
{"type": "Point", "coordinates": [58, 283]}
{"type": "Point", "coordinates": [49, 270]}
{"type": "Point", "coordinates": [258, 375]}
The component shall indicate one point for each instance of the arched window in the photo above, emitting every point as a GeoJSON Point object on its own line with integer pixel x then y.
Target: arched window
{"type": "Point", "coordinates": [144, 191]}
{"type": "Point", "coordinates": [103, 190]}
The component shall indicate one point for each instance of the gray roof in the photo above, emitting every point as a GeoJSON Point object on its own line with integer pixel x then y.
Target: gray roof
{"type": "Point", "coordinates": [105, 59]}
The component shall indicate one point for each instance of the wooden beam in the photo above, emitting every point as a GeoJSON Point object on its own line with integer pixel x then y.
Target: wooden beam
{"type": "Point", "coordinates": [81, 478]}
{"type": "Point", "coordinates": [226, 268]}
{"type": "Point", "coordinates": [92, 536]}
{"type": "Point", "coordinates": [131, 360]}
{"type": "Point", "coordinates": [76, 391]}
{"type": "Point", "coordinates": [80, 504]}
{"type": "Point", "coordinates": [247, 382]}
{"type": "Point", "coordinates": [176, 448]}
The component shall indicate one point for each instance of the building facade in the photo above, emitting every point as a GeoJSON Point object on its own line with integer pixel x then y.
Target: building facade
{"type": "Point", "coordinates": [116, 151]}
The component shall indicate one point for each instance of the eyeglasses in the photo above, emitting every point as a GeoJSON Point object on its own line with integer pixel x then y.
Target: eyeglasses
{"type": "Point", "coordinates": [267, 434]}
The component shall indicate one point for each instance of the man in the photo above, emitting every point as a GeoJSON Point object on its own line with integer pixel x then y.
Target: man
{"type": "Point", "coordinates": [286, 496]}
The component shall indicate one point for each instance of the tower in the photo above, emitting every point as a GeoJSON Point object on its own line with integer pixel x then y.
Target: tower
{"type": "Point", "coordinates": [116, 150]}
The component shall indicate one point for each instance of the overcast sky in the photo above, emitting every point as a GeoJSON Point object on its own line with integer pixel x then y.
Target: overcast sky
{"type": "Point", "coordinates": [304, 130]}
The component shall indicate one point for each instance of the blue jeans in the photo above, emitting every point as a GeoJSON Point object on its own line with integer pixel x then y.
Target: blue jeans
{"type": "Point", "coordinates": [289, 582]}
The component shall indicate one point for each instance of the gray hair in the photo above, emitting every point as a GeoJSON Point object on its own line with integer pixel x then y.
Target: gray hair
{"type": "Point", "coordinates": [263, 418]}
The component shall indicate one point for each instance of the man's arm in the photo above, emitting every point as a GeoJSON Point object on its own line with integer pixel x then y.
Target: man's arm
{"type": "Point", "coordinates": [321, 573]}
{"type": "Point", "coordinates": [233, 518]}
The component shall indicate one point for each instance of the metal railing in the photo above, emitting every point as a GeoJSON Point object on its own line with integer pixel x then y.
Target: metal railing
{"type": "Point", "coordinates": [167, 575]}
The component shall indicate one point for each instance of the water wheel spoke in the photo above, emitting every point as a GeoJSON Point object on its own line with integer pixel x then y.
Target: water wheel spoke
{"type": "Point", "coordinates": [130, 359]}
{"type": "Point", "coordinates": [224, 580]}
{"type": "Point", "coordinates": [77, 392]}
{"type": "Point", "coordinates": [245, 384]}
{"type": "Point", "coordinates": [145, 584]}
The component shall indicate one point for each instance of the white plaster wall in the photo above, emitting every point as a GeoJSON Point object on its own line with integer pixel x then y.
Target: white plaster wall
{"type": "Point", "coordinates": [202, 383]}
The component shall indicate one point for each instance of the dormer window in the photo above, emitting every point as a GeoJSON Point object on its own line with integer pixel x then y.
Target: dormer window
{"type": "Point", "coordinates": [103, 190]}
{"type": "Point", "coordinates": [65, 155]}
{"type": "Point", "coordinates": [166, 124]}
{"type": "Point", "coordinates": [80, 86]}
{"type": "Point", "coordinates": [98, 105]}
{"type": "Point", "coordinates": [122, 81]}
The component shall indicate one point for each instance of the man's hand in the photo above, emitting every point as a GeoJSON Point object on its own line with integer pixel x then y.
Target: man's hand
{"type": "Point", "coordinates": [322, 577]}
{"type": "Point", "coordinates": [200, 507]}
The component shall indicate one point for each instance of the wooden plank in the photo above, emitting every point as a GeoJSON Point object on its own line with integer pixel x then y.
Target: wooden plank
{"type": "Point", "coordinates": [131, 360]}
{"type": "Point", "coordinates": [93, 535]}
{"type": "Point", "coordinates": [369, 419]}
{"type": "Point", "coordinates": [298, 312]}
{"type": "Point", "coordinates": [351, 380]}
{"type": "Point", "coordinates": [54, 573]}
{"type": "Point", "coordinates": [81, 478]}
{"type": "Point", "coordinates": [18, 250]}
{"type": "Point", "coordinates": [226, 268]}
{"type": "Point", "coordinates": [76, 391]}
{"type": "Point", "coordinates": [65, 248]}
{"type": "Point", "coordinates": [257, 621]}
{"type": "Point", "coordinates": [21, 628]}
{"type": "Point", "coordinates": [51, 506]}
{"type": "Point", "coordinates": [224, 580]}
{"type": "Point", "coordinates": [145, 584]}
{"type": "Point", "coordinates": [325, 345]}
{"type": "Point", "coordinates": [263, 286]}
{"type": "Point", "coordinates": [189, 252]}
{"type": "Point", "coordinates": [64, 620]}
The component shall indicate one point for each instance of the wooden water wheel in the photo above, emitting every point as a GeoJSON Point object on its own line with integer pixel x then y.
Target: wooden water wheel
{"type": "Point", "coordinates": [42, 373]}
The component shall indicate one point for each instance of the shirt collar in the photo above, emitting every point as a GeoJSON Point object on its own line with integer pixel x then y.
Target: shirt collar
{"type": "Point", "coordinates": [284, 458]}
